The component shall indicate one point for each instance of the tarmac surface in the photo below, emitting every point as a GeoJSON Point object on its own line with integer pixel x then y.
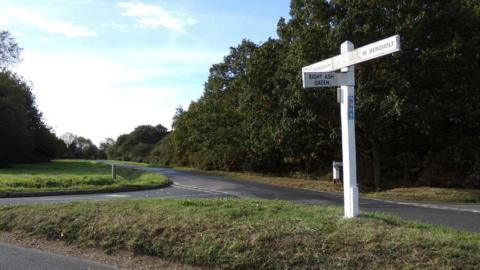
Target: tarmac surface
{"type": "Point", "coordinates": [17, 258]}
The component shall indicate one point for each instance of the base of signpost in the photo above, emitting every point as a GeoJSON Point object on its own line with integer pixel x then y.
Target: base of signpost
{"type": "Point", "coordinates": [351, 198]}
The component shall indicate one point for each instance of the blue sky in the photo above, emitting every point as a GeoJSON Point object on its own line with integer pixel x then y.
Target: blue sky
{"type": "Point", "coordinates": [101, 68]}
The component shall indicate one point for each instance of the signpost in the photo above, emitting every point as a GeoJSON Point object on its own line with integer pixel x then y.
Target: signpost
{"type": "Point", "coordinates": [321, 74]}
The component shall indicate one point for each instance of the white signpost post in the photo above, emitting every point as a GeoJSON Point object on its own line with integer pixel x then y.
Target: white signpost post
{"type": "Point", "coordinates": [321, 74]}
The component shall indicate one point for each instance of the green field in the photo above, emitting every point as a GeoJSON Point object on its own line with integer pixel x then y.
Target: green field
{"type": "Point", "coordinates": [247, 234]}
{"type": "Point", "coordinates": [75, 175]}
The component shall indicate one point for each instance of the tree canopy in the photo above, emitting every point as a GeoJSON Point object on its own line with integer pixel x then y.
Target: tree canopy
{"type": "Point", "coordinates": [137, 145]}
{"type": "Point", "coordinates": [9, 50]}
{"type": "Point", "coordinates": [78, 147]}
{"type": "Point", "coordinates": [417, 110]}
{"type": "Point", "coordinates": [24, 137]}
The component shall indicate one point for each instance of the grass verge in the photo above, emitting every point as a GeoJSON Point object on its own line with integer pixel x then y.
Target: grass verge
{"type": "Point", "coordinates": [429, 194]}
{"type": "Point", "coordinates": [248, 234]}
{"type": "Point", "coordinates": [65, 175]}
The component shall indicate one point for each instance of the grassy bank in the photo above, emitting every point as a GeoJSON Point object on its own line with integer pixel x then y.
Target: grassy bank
{"type": "Point", "coordinates": [75, 175]}
{"type": "Point", "coordinates": [247, 234]}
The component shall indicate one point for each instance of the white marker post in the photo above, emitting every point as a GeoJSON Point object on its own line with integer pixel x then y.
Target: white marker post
{"type": "Point", "coordinates": [320, 75]}
{"type": "Point", "coordinates": [347, 114]}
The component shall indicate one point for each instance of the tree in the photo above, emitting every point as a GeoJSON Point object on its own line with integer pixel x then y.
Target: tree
{"type": "Point", "coordinates": [24, 137]}
{"type": "Point", "coordinates": [16, 140]}
{"type": "Point", "coordinates": [81, 148]}
{"type": "Point", "coordinates": [137, 145]}
{"type": "Point", "coordinates": [9, 50]}
{"type": "Point", "coordinates": [413, 116]}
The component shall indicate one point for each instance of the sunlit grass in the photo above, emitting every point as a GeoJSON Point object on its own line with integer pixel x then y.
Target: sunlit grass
{"type": "Point", "coordinates": [248, 234]}
{"type": "Point", "coordinates": [71, 175]}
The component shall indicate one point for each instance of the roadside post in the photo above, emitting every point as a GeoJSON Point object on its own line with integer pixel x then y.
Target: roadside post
{"type": "Point", "coordinates": [322, 74]}
{"type": "Point", "coordinates": [114, 171]}
{"type": "Point", "coordinates": [336, 175]}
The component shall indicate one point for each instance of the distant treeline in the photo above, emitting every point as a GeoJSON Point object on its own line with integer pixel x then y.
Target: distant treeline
{"type": "Point", "coordinates": [417, 112]}
{"type": "Point", "coordinates": [141, 145]}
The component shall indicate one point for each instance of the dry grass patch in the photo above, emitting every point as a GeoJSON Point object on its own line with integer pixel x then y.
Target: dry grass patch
{"type": "Point", "coordinates": [429, 194]}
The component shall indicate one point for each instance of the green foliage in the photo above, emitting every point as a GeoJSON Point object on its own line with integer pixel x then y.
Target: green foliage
{"type": "Point", "coordinates": [417, 111]}
{"type": "Point", "coordinates": [9, 50]}
{"type": "Point", "coordinates": [163, 152]}
{"type": "Point", "coordinates": [417, 121]}
{"type": "Point", "coordinates": [16, 138]}
{"type": "Point", "coordinates": [137, 145]}
{"type": "Point", "coordinates": [248, 234]}
{"type": "Point", "coordinates": [24, 137]}
{"type": "Point", "coordinates": [81, 148]}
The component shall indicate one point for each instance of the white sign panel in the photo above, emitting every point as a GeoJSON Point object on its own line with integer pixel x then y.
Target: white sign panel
{"type": "Point", "coordinates": [362, 54]}
{"type": "Point", "coordinates": [379, 48]}
{"type": "Point", "coordinates": [326, 79]}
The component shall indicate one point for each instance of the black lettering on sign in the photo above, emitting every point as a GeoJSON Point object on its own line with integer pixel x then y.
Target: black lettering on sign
{"type": "Point", "coordinates": [381, 47]}
{"type": "Point", "coordinates": [321, 82]}
{"type": "Point", "coordinates": [315, 76]}
{"type": "Point", "coordinates": [326, 76]}
{"type": "Point", "coordinates": [329, 76]}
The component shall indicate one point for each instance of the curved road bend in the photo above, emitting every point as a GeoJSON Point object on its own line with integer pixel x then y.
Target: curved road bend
{"type": "Point", "coordinates": [198, 185]}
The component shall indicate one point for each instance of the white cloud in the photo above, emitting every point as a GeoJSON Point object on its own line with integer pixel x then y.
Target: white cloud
{"type": "Point", "coordinates": [97, 96]}
{"type": "Point", "coordinates": [151, 16]}
{"type": "Point", "coordinates": [50, 26]}
{"type": "Point", "coordinates": [18, 34]}
{"type": "Point", "coordinates": [113, 25]}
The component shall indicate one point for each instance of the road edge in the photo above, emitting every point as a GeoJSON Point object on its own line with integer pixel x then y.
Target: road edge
{"type": "Point", "coordinates": [83, 192]}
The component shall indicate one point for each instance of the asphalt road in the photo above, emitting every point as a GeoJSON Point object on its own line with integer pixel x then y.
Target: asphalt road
{"type": "Point", "coordinates": [15, 258]}
{"type": "Point", "coordinates": [196, 185]}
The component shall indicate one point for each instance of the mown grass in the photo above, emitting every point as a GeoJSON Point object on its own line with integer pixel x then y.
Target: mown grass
{"type": "Point", "coordinates": [68, 175]}
{"type": "Point", "coordinates": [248, 234]}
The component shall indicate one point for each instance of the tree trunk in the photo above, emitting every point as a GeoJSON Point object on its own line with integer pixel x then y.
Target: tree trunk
{"type": "Point", "coordinates": [406, 174]}
{"type": "Point", "coordinates": [376, 166]}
